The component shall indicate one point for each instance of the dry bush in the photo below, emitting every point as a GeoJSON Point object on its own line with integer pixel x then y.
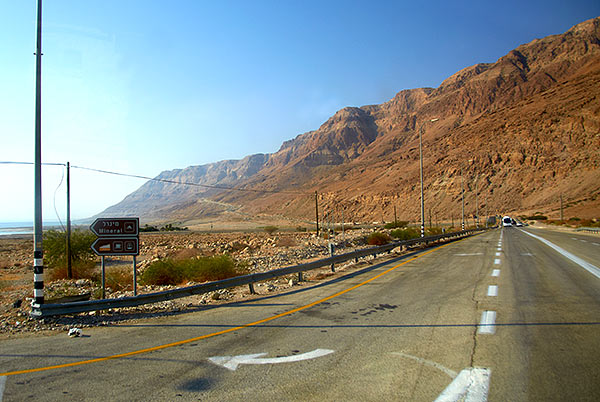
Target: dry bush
{"type": "Point", "coordinates": [5, 263]}
{"type": "Point", "coordinates": [171, 272]}
{"type": "Point", "coordinates": [120, 278]}
{"type": "Point", "coordinates": [79, 269]}
{"type": "Point", "coordinates": [378, 239]}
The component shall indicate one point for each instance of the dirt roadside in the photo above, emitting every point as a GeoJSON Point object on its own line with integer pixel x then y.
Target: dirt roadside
{"type": "Point", "coordinates": [261, 251]}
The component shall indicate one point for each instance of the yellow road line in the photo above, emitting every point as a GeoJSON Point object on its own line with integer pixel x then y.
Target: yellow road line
{"type": "Point", "coordinates": [169, 345]}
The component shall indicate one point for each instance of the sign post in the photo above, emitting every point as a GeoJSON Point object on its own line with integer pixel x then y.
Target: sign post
{"type": "Point", "coordinates": [118, 237]}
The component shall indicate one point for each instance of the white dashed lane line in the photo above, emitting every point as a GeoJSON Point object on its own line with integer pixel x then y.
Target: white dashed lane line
{"type": "Point", "coordinates": [497, 261]}
{"type": "Point", "coordinates": [487, 324]}
{"type": "Point", "coordinates": [492, 290]}
{"type": "Point", "coordinates": [496, 273]}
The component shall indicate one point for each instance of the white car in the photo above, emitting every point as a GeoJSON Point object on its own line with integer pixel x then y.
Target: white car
{"type": "Point", "coordinates": [507, 221]}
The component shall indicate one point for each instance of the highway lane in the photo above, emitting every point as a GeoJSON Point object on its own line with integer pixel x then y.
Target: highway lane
{"type": "Point", "coordinates": [402, 336]}
{"type": "Point", "coordinates": [584, 245]}
{"type": "Point", "coordinates": [547, 345]}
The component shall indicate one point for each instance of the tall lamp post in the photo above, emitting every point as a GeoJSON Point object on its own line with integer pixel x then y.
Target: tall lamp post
{"type": "Point", "coordinates": [421, 170]}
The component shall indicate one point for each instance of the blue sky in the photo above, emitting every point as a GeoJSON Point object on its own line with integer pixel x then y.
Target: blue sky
{"type": "Point", "coordinates": [144, 86]}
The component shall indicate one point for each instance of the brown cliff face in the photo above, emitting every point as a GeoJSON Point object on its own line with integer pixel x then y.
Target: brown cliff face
{"type": "Point", "coordinates": [523, 130]}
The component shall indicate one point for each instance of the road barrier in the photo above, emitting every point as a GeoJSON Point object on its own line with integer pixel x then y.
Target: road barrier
{"type": "Point", "coordinates": [45, 310]}
{"type": "Point", "coordinates": [591, 230]}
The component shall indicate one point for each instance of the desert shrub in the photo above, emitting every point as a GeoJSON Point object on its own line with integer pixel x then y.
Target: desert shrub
{"type": "Point", "coordinates": [378, 239]}
{"type": "Point", "coordinates": [395, 225]}
{"type": "Point", "coordinates": [174, 272]}
{"type": "Point", "coordinates": [405, 234]}
{"type": "Point", "coordinates": [536, 218]}
{"type": "Point", "coordinates": [119, 278]}
{"type": "Point", "coordinates": [433, 231]}
{"type": "Point", "coordinates": [574, 219]}
{"type": "Point", "coordinates": [82, 256]}
{"type": "Point", "coordinates": [588, 223]}
{"type": "Point", "coordinates": [170, 228]}
{"type": "Point", "coordinates": [148, 228]}
{"type": "Point", "coordinates": [301, 229]}
{"type": "Point", "coordinates": [271, 229]}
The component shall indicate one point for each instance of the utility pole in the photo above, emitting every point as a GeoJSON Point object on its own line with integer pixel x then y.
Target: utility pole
{"type": "Point", "coordinates": [561, 208]}
{"type": "Point", "coordinates": [38, 250]}
{"type": "Point", "coordinates": [462, 181]}
{"type": "Point", "coordinates": [421, 170]}
{"type": "Point", "coordinates": [317, 211]}
{"type": "Point", "coordinates": [476, 205]}
{"type": "Point", "coordinates": [69, 268]}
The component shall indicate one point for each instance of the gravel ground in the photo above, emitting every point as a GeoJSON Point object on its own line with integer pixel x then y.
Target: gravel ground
{"type": "Point", "coordinates": [261, 251]}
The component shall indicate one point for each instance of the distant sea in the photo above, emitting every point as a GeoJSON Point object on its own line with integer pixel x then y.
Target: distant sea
{"type": "Point", "coordinates": [23, 228]}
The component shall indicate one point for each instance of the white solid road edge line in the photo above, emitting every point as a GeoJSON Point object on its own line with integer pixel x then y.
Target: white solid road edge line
{"type": "Point", "coordinates": [592, 269]}
{"type": "Point", "coordinates": [2, 384]}
{"type": "Point", "coordinates": [471, 385]}
{"type": "Point", "coordinates": [487, 324]}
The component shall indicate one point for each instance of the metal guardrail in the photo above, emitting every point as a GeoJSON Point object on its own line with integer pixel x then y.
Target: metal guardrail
{"type": "Point", "coordinates": [591, 230]}
{"type": "Point", "coordinates": [45, 310]}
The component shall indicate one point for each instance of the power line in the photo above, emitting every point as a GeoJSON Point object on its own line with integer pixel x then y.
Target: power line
{"type": "Point", "coordinates": [30, 163]}
{"type": "Point", "coordinates": [216, 187]}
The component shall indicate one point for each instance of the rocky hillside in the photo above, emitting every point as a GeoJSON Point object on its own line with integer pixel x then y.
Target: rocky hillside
{"type": "Point", "coordinates": [522, 131]}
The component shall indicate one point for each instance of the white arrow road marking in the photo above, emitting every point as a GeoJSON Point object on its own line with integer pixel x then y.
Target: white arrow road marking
{"type": "Point", "coordinates": [2, 384]}
{"type": "Point", "coordinates": [232, 362]}
{"type": "Point", "coordinates": [471, 385]}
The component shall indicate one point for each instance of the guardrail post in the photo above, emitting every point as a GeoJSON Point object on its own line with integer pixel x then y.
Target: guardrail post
{"type": "Point", "coordinates": [300, 278]}
{"type": "Point", "coordinates": [251, 286]}
{"type": "Point", "coordinates": [103, 278]}
{"type": "Point", "coordinates": [331, 247]}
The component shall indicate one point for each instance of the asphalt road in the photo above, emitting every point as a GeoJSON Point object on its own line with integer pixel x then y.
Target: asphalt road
{"type": "Point", "coordinates": [500, 316]}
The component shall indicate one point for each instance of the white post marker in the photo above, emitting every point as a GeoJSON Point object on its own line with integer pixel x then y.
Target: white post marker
{"type": "Point", "coordinates": [471, 385]}
{"type": "Point", "coordinates": [232, 362]}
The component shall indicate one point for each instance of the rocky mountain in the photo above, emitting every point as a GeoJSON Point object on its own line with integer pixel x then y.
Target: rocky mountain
{"type": "Point", "coordinates": [518, 132]}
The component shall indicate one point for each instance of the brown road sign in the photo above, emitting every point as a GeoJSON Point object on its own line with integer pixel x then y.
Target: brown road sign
{"type": "Point", "coordinates": [112, 227]}
{"type": "Point", "coordinates": [116, 246]}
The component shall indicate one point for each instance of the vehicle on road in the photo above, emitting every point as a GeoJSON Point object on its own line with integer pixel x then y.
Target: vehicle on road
{"type": "Point", "coordinates": [507, 221]}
